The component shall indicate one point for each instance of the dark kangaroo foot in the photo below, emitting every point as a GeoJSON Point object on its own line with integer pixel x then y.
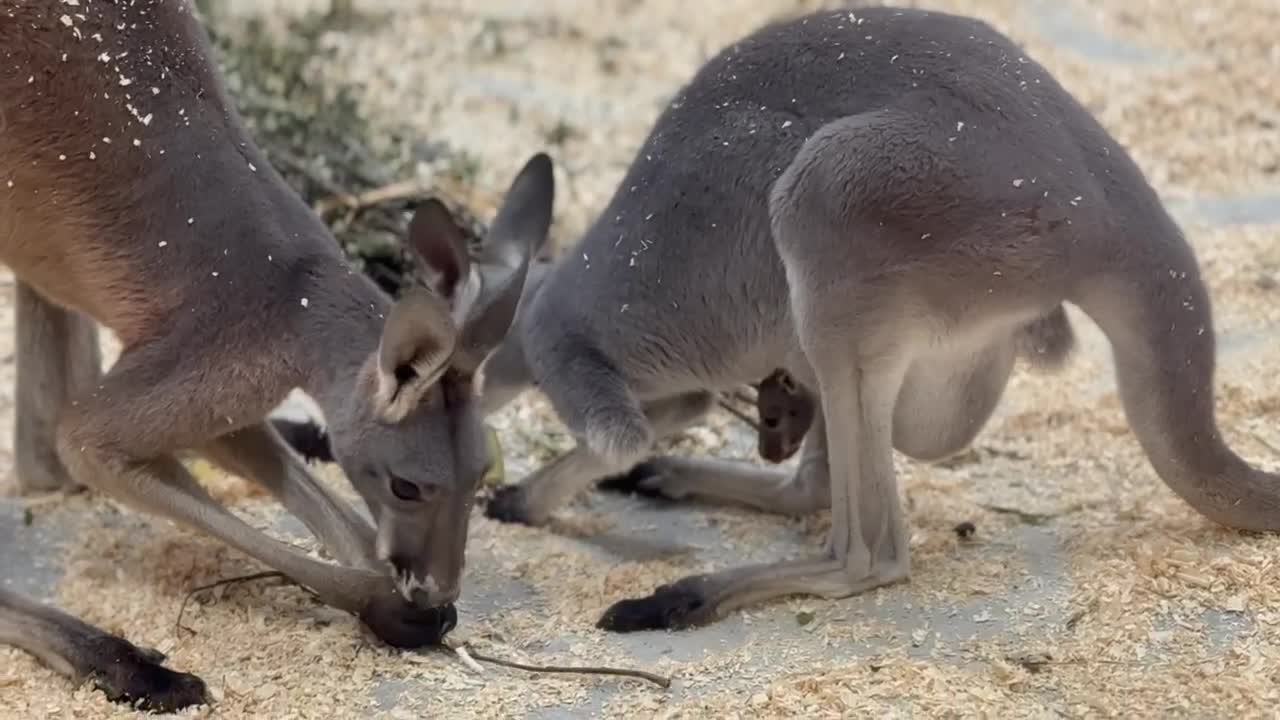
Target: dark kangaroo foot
{"type": "Point", "coordinates": [306, 438]}
{"type": "Point", "coordinates": [131, 675]}
{"type": "Point", "coordinates": [635, 482]}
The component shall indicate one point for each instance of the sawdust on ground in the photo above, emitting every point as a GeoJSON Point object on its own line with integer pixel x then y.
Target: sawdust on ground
{"type": "Point", "coordinates": [1146, 573]}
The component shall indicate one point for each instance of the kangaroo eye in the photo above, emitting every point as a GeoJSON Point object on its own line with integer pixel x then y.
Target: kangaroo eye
{"type": "Point", "coordinates": [405, 490]}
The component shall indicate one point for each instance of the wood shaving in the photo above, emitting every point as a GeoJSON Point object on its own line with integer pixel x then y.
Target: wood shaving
{"type": "Point", "coordinates": [1122, 602]}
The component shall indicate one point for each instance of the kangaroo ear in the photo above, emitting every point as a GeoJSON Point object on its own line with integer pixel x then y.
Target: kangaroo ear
{"type": "Point", "coordinates": [483, 287]}
{"type": "Point", "coordinates": [418, 340]}
{"type": "Point", "coordinates": [441, 246]}
{"type": "Point", "coordinates": [499, 268]}
{"type": "Point", "coordinates": [521, 225]}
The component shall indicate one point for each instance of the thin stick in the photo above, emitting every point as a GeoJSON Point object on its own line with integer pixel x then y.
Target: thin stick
{"type": "Point", "coordinates": [734, 411]}
{"type": "Point", "coordinates": [182, 609]}
{"type": "Point", "coordinates": [390, 193]}
{"type": "Point", "coordinates": [50, 498]}
{"type": "Point", "coordinates": [1031, 518]}
{"type": "Point", "coordinates": [401, 190]}
{"type": "Point", "coordinates": [300, 166]}
{"type": "Point", "coordinates": [465, 657]}
{"type": "Point", "coordinates": [1127, 663]}
{"type": "Point", "coordinates": [659, 680]}
{"type": "Point", "coordinates": [1264, 443]}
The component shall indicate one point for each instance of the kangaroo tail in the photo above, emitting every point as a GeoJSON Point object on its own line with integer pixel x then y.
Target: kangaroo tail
{"type": "Point", "coordinates": [1154, 309]}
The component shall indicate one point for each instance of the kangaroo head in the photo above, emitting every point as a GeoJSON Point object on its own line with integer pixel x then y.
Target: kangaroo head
{"type": "Point", "coordinates": [411, 439]}
{"type": "Point", "coordinates": [786, 410]}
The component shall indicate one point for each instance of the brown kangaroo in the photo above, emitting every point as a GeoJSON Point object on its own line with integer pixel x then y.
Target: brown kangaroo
{"type": "Point", "coordinates": [132, 197]}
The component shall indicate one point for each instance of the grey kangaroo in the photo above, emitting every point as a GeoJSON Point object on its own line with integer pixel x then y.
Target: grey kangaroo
{"type": "Point", "coordinates": [892, 205]}
{"type": "Point", "coordinates": [132, 197]}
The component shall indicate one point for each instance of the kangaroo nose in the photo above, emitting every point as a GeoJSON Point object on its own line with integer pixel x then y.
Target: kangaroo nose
{"type": "Point", "coordinates": [407, 626]}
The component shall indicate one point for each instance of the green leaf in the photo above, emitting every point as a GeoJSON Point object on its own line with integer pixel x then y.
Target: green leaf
{"type": "Point", "coordinates": [497, 473]}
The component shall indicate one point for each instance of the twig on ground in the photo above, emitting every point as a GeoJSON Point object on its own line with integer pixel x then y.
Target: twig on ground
{"type": "Point", "coordinates": [300, 166]}
{"type": "Point", "coordinates": [1031, 518]}
{"type": "Point", "coordinates": [52, 497]}
{"type": "Point", "coordinates": [1265, 443]}
{"type": "Point", "coordinates": [401, 190]}
{"type": "Point", "coordinates": [182, 609]}
{"type": "Point", "coordinates": [1079, 615]}
{"type": "Point", "coordinates": [1128, 663]}
{"type": "Point", "coordinates": [472, 655]}
{"type": "Point", "coordinates": [734, 411]}
{"type": "Point", "coordinates": [465, 656]}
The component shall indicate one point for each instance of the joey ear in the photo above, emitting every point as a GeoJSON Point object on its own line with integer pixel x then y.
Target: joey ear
{"type": "Point", "coordinates": [486, 309]}
{"type": "Point", "coordinates": [418, 340]}
{"type": "Point", "coordinates": [441, 245]}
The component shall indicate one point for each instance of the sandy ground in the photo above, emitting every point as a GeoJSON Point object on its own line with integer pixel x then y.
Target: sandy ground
{"type": "Point", "coordinates": [1089, 589]}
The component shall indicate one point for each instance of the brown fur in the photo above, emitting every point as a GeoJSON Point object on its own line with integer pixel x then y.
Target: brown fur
{"type": "Point", "coordinates": [131, 194]}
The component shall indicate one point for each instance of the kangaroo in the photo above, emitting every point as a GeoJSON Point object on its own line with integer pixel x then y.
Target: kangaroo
{"type": "Point", "coordinates": [132, 197]}
{"type": "Point", "coordinates": [785, 409]}
{"type": "Point", "coordinates": [892, 205]}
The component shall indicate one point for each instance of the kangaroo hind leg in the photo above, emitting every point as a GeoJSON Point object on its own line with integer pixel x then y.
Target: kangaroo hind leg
{"type": "Point", "coordinates": [58, 357]}
{"type": "Point", "coordinates": [81, 652]}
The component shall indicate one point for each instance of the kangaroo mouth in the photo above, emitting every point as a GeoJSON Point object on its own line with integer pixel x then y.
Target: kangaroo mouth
{"type": "Point", "coordinates": [778, 451]}
{"type": "Point", "coordinates": [408, 626]}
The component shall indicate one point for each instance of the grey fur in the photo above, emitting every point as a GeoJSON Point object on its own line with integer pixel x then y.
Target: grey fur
{"type": "Point", "coordinates": [892, 205]}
